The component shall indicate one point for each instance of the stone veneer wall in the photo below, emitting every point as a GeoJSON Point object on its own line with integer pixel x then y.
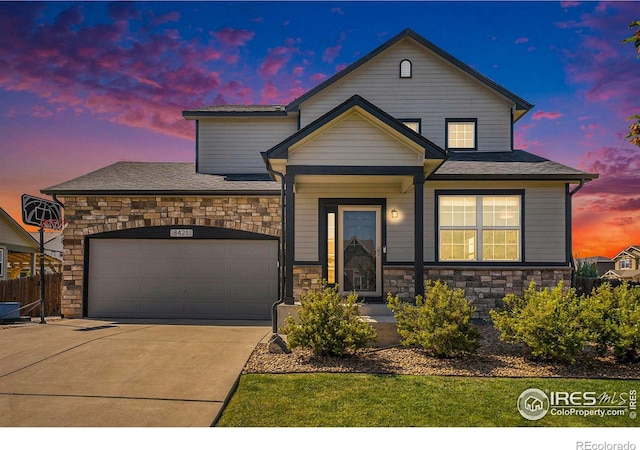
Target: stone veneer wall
{"type": "Point", "coordinates": [484, 288]}
{"type": "Point", "coordinates": [89, 215]}
{"type": "Point", "coordinates": [305, 279]}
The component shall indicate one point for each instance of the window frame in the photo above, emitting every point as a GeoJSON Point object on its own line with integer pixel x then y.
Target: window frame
{"type": "Point", "coordinates": [479, 226]}
{"type": "Point", "coordinates": [625, 264]}
{"type": "Point", "coordinates": [417, 121]}
{"type": "Point", "coordinates": [474, 121]}
{"type": "Point", "coordinates": [2, 262]}
{"type": "Point", "coordinates": [400, 73]}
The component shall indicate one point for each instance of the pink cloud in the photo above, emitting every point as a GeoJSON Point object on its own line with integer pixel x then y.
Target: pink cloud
{"type": "Point", "coordinates": [173, 16]}
{"type": "Point", "coordinates": [602, 69]}
{"type": "Point", "coordinates": [546, 115]}
{"type": "Point", "coordinates": [318, 77]}
{"type": "Point", "coordinates": [99, 69]}
{"type": "Point", "coordinates": [276, 58]}
{"type": "Point", "coordinates": [233, 37]}
{"type": "Point", "coordinates": [337, 10]}
{"type": "Point", "coordinates": [569, 4]}
{"type": "Point", "coordinates": [521, 40]}
{"type": "Point", "coordinates": [331, 53]}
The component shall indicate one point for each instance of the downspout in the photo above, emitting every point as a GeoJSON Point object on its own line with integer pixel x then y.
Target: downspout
{"type": "Point", "coordinates": [572, 264]}
{"type": "Point", "coordinates": [281, 253]}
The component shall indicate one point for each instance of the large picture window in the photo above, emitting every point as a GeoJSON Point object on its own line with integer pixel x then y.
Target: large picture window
{"type": "Point", "coordinates": [479, 227]}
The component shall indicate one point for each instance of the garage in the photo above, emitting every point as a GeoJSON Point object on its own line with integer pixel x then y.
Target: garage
{"type": "Point", "coordinates": [182, 278]}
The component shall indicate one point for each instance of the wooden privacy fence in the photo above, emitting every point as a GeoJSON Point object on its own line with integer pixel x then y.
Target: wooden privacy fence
{"type": "Point", "coordinates": [584, 285]}
{"type": "Point", "coordinates": [27, 290]}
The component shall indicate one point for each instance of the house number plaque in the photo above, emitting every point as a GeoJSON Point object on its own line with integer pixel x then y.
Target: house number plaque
{"type": "Point", "coordinates": [181, 232]}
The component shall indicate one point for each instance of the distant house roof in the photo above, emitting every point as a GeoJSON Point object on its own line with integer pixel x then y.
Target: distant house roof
{"type": "Point", "coordinates": [513, 165]}
{"type": "Point", "coordinates": [623, 274]}
{"type": "Point", "coordinates": [153, 178]}
{"type": "Point", "coordinates": [632, 250]}
{"type": "Point", "coordinates": [522, 106]}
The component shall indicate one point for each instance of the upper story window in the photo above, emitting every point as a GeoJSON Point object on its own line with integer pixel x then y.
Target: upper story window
{"type": "Point", "coordinates": [414, 124]}
{"type": "Point", "coordinates": [405, 69]}
{"type": "Point", "coordinates": [624, 264]}
{"type": "Point", "coordinates": [461, 134]}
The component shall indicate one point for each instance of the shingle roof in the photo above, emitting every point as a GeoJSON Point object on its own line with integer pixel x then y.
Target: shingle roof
{"type": "Point", "coordinates": [516, 164]}
{"type": "Point", "coordinates": [158, 178]}
{"type": "Point", "coordinates": [236, 110]}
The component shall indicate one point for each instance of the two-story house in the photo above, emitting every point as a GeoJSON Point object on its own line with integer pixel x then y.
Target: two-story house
{"type": "Point", "coordinates": [627, 265]}
{"type": "Point", "coordinates": [398, 169]}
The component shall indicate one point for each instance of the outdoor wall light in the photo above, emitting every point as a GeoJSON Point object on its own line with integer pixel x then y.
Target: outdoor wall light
{"type": "Point", "coordinates": [394, 214]}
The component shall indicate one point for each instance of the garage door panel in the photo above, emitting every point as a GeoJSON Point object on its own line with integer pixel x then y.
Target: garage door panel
{"type": "Point", "coordinates": [162, 267]}
{"type": "Point", "coordinates": [182, 278]}
{"type": "Point", "coordinates": [159, 307]}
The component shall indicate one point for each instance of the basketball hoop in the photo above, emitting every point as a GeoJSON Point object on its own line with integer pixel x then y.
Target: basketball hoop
{"type": "Point", "coordinates": [54, 224]}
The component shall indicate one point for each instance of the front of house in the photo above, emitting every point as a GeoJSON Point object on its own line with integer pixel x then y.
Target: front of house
{"type": "Point", "coordinates": [398, 169]}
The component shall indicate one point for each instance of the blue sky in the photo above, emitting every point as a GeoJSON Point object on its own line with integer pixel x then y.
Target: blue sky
{"type": "Point", "coordinates": [85, 84]}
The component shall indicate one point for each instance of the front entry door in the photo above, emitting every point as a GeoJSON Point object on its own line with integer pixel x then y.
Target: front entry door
{"type": "Point", "coordinates": [359, 255]}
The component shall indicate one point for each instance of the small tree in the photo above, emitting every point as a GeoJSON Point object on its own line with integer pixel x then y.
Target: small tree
{"type": "Point", "coordinates": [440, 322]}
{"type": "Point", "coordinates": [328, 324]}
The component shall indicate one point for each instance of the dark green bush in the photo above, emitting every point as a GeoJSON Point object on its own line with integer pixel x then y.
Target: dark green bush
{"type": "Point", "coordinates": [440, 322]}
{"type": "Point", "coordinates": [547, 321]}
{"type": "Point", "coordinates": [612, 316]}
{"type": "Point", "coordinates": [328, 324]}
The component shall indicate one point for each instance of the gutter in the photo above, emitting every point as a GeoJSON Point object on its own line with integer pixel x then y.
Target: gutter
{"type": "Point", "coordinates": [577, 188]}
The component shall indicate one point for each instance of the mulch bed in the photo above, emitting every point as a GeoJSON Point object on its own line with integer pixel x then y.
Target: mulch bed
{"type": "Point", "coordinates": [493, 359]}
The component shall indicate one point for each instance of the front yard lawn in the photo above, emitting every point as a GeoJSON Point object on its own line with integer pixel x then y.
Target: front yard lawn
{"type": "Point", "coordinates": [367, 400]}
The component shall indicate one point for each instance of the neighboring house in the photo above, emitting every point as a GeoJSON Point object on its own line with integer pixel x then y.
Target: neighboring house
{"type": "Point", "coordinates": [20, 250]}
{"type": "Point", "coordinates": [398, 169]}
{"type": "Point", "coordinates": [17, 248]}
{"type": "Point", "coordinates": [602, 263]}
{"type": "Point", "coordinates": [627, 265]}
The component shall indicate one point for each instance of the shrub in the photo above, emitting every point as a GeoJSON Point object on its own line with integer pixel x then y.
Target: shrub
{"type": "Point", "coordinates": [612, 316]}
{"type": "Point", "coordinates": [547, 321]}
{"type": "Point", "coordinates": [440, 322]}
{"type": "Point", "coordinates": [328, 324]}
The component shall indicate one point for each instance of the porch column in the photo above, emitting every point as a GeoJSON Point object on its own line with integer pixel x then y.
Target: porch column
{"type": "Point", "coordinates": [289, 199]}
{"type": "Point", "coordinates": [418, 182]}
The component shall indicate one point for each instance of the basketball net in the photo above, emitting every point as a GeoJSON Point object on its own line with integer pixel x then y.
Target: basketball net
{"type": "Point", "coordinates": [54, 224]}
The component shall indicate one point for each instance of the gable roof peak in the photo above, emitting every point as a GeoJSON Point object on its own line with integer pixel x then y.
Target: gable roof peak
{"type": "Point", "coordinates": [521, 105]}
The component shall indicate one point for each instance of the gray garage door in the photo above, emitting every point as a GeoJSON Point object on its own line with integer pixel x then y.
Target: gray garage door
{"type": "Point", "coordinates": [157, 278]}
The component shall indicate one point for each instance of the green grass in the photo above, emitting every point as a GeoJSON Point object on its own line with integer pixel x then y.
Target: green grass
{"type": "Point", "coordinates": [359, 400]}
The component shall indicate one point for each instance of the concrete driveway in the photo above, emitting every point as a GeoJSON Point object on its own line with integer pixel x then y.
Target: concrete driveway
{"type": "Point", "coordinates": [101, 373]}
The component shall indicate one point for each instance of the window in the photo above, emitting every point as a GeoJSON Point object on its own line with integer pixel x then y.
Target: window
{"type": "Point", "coordinates": [405, 68]}
{"type": "Point", "coordinates": [1, 262]}
{"type": "Point", "coordinates": [331, 248]}
{"type": "Point", "coordinates": [479, 228]}
{"type": "Point", "coordinates": [461, 134]}
{"type": "Point", "coordinates": [625, 264]}
{"type": "Point", "coordinates": [414, 124]}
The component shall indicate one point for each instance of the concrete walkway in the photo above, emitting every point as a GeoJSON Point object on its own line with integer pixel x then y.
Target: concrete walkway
{"type": "Point", "coordinates": [112, 374]}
